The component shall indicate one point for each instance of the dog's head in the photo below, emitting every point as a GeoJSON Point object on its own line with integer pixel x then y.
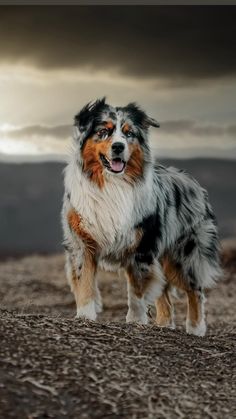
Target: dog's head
{"type": "Point", "coordinates": [113, 141]}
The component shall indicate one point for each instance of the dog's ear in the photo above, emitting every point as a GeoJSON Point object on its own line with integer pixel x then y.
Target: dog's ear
{"type": "Point", "coordinates": [140, 117]}
{"type": "Point", "coordinates": [83, 121]}
{"type": "Point", "coordinates": [151, 121]}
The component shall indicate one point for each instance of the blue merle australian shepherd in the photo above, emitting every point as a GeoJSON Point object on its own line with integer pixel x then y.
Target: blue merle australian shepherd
{"type": "Point", "coordinates": [122, 210]}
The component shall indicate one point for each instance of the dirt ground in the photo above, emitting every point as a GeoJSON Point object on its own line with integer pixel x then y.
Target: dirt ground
{"type": "Point", "coordinates": [53, 366]}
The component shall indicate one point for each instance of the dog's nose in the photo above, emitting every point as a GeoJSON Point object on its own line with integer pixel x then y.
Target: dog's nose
{"type": "Point", "coordinates": [118, 147]}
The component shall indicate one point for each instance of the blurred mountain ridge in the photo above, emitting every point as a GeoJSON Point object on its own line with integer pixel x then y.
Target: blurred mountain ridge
{"type": "Point", "coordinates": [31, 199]}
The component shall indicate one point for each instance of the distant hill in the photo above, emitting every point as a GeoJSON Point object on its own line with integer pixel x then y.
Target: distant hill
{"type": "Point", "coordinates": [31, 197]}
{"type": "Point", "coordinates": [30, 203]}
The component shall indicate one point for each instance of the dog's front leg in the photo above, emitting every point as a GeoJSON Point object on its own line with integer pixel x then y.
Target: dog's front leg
{"type": "Point", "coordinates": [80, 272]}
{"type": "Point", "coordinates": [83, 268]}
{"type": "Point", "coordinates": [84, 288]}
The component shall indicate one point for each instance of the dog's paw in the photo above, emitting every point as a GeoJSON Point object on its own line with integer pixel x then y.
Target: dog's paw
{"type": "Point", "coordinates": [87, 312]}
{"type": "Point", "coordinates": [198, 330]}
{"type": "Point", "coordinates": [168, 325]}
{"type": "Point", "coordinates": [133, 317]}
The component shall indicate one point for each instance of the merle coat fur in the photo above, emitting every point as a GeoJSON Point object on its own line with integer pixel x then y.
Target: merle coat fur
{"type": "Point", "coordinates": [123, 210]}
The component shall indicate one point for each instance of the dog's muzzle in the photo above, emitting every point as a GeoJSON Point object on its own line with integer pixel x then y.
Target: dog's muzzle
{"type": "Point", "coordinates": [117, 162]}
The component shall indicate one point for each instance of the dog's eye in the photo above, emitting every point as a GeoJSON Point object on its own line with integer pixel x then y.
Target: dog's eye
{"type": "Point", "coordinates": [129, 134]}
{"type": "Point", "coordinates": [103, 133]}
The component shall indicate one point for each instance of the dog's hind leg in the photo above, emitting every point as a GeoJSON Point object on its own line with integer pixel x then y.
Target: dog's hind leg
{"type": "Point", "coordinates": [195, 322]}
{"type": "Point", "coordinates": [165, 310]}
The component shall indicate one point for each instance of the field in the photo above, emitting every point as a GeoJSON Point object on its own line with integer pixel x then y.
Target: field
{"type": "Point", "coordinates": [53, 366]}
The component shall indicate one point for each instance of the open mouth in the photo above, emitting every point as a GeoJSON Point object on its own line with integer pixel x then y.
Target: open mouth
{"type": "Point", "coordinates": [116, 165]}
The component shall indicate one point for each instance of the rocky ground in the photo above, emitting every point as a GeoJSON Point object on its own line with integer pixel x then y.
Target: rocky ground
{"type": "Point", "coordinates": [53, 366]}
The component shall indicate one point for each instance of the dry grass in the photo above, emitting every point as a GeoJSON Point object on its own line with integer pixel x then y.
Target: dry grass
{"type": "Point", "coordinates": [53, 366]}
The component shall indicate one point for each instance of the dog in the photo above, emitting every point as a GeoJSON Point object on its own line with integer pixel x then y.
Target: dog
{"type": "Point", "coordinates": [123, 210]}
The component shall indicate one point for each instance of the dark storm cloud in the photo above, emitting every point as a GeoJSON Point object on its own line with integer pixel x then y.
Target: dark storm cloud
{"type": "Point", "coordinates": [59, 131]}
{"type": "Point", "coordinates": [176, 127]}
{"type": "Point", "coordinates": [177, 43]}
{"type": "Point", "coordinates": [179, 127]}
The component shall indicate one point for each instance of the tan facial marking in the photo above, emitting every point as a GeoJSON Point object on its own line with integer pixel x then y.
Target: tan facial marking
{"type": "Point", "coordinates": [126, 128]}
{"type": "Point", "coordinates": [109, 125]}
{"type": "Point", "coordinates": [91, 158]}
{"type": "Point", "coordinates": [134, 166]}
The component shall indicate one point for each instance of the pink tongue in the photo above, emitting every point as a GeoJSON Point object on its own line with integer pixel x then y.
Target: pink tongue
{"type": "Point", "coordinates": [117, 165]}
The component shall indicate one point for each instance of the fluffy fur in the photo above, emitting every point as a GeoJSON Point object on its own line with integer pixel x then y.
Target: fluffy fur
{"type": "Point", "coordinates": [123, 210]}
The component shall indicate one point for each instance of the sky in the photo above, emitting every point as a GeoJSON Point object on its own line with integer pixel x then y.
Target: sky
{"type": "Point", "coordinates": [178, 63]}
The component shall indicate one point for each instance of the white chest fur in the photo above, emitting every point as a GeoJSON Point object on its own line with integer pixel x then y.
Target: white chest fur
{"type": "Point", "coordinates": [108, 214]}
